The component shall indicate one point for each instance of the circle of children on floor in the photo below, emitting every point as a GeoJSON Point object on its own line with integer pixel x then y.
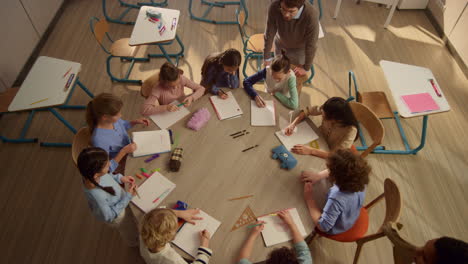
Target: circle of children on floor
{"type": "Point", "coordinates": [102, 165]}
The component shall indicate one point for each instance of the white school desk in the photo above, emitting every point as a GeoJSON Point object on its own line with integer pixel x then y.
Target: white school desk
{"type": "Point", "coordinates": [45, 88]}
{"type": "Point", "coordinates": [214, 169]}
{"type": "Point", "coordinates": [404, 79]}
{"type": "Point", "coordinates": [146, 32]}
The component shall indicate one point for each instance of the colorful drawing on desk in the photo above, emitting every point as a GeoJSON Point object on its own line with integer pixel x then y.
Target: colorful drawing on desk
{"type": "Point", "coordinates": [246, 218]}
{"type": "Point", "coordinates": [314, 144]}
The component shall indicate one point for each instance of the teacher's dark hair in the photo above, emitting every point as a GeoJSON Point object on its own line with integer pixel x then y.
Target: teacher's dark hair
{"type": "Point", "coordinates": [293, 3]}
{"type": "Point", "coordinates": [91, 161]}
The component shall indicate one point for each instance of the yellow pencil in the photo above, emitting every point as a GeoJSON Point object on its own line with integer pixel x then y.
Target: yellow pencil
{"type": "Point", "coordinates": [239, 198]}
{"type": "Point", "coordinates": [39, 101]}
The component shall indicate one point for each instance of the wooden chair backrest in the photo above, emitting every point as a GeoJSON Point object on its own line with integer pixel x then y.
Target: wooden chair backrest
{"type": "Point", "coordinates": [148, 84]}
{"type": "Point", "coordinates": [403, 251]}
{"type": "Point", "coordinates": [6, 98]}
{"type": "Point", "coordinates": [100, 28]}
{"type": "Point", "coordinates": [241, 17]}
{"type": "Point", "coordinates": [371, 123]}
{"type": "Point", "coordinates": [81, 140]}
{"type": "Point", "coordinates": [392, 202]}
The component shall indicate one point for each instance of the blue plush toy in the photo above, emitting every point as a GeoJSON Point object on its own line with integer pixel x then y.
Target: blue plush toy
{"type": "Point", "coordinates": [287, 159]}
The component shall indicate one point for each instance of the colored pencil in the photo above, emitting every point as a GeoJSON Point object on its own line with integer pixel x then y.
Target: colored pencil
{"type": "Point", "coordinates": [39, 101]}
{"type": "Point", "coordinates": [239, 198]}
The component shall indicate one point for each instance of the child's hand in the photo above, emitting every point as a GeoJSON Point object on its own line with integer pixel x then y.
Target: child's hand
{"type": "Point", "coordinates": [131, 188]}
{"type": "Point", "coordinates": [130, 148]}
{"type": "Point", "coordinates": [299, 71]}
{"type": "Point", "coordinates": [142, 121]}
{"type": "Point", "coordinates": [289, 130]}
{"type": "Point", "coordinates": [222, 95]}
{"type": "Point", "coordinates": [127, 179]}
{"type": "Point", "coordinates": [309, 176]}
{"type": "Point", "coordinates": [189, 215]}
{"type": "Point", "coordinates": [172, 108]}
{"type": "Point", "coordinates": [258, 229]}
{"type": "Point", "coordinates": [205, 238]}
{"type": "Point", "coordinates": [259, 101]}
{"type": "Point", "coordinates": [303, 150]}
{"type": "Point", "coordinates": [308, 191]}
{"type": "Point", "coordinates": [286, 217]}
{"type": "Point", "coordinates": [188, 101]}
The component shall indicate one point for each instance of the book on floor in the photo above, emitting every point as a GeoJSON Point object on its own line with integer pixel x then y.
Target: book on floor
{"type": "Point", "coordinates": [275, 231]}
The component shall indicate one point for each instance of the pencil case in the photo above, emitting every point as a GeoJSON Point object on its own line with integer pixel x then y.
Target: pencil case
{"type": "Point", "coordinates": [199, 119]}
{"type": "Point", "coordinates": [176, 159]}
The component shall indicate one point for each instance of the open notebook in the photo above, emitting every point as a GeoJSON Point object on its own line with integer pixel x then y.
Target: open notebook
{"type": "Point", "coordinates": [276, 231]}
{"type": "Point", "coordinates": [167, 119]}
{"type": "Point", "coordinates": [303, 135]}
{"type": "Point", "coordinates": [226, 108]}
{"type": "Point", "coordinates": [265, 116]}
{"type": "Point", "coordinates": [153, 191]}
{"type": "Point", "coordinates": [151, 142]}
{"type": "Point", "coordinates": [188, 237]}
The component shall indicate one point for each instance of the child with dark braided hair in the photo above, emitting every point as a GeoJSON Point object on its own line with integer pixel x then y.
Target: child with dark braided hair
{"type": "Point", "coordinates": [221, 70]}
{"type": "Point", "coordinates": [106, 198]}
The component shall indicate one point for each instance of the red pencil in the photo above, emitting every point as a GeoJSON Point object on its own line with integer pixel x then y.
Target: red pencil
{"type": "Point", "coordinates": [65, 75]}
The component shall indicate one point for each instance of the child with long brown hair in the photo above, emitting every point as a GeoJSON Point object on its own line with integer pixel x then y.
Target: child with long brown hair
{"type": "Point", "coordinates": [280, 81]}
{"type": "Point", "coordinates": [108, 130]}
{"type": "Point", "coordinates": [159, 228]}
{"type": "Point", "coordinates": [168, 88]}
{"type": "Point", "coordinates": [349, 174]}
{"type": "Point", "coordinates": [221, 70]}
{"type": "Point", "coordinates": [106, 198]}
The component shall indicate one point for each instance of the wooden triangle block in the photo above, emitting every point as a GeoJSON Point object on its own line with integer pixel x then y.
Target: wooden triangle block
{"type": "Point", "coordinates": [246, 218]}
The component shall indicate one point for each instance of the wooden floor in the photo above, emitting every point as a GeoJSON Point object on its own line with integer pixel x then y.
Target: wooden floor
{"type": "Point", "coordinates": [45, 218]}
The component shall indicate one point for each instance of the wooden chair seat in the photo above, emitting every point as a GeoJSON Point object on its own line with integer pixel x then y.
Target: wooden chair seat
{"type": "Point", "coordinates": [6, 98]}
{"type": "Point", "coordinates": [122, 48]}
{"type": "Point", "coordinates": [377, 102]}
{"type": "Point", "coordinates": [356, 232]}
{"type": "Point", "coordinates": [256, 43]}
{"type": "Point", "coordinates": [81, 140]}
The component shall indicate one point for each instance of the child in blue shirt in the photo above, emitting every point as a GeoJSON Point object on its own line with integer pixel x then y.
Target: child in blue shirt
{"type": "Point", "coordinates": [107, 200]}
{"type": "Point", "coordinates": [300, 254]}
{"type": "Point", "coordinates": [221, 71]}
{"type": "Point", "coordinates": [108, 130]}
{"type": "Point", "coordinates": [350, 174]}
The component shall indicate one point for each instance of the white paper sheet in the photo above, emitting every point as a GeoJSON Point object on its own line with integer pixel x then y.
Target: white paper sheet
{"type": "Point", "coordinates": [304, 135]}
{"type": "Point", "coordinates": [151, 142]}
{"type": "Point", "coordinates": [276, 231]}
{"type": "Point", "coordinates": [156, 186]}
{"type": "Point", "coordinates": [265, 116]}
{"type": "Point", "coordinates": [188, 237]}
{"type": "Point", "coordinates": [167, 119]}
{"type": "Point", "coordinates": [226, 108]}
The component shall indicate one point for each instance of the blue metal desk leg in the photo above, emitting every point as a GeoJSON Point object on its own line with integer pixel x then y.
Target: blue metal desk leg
{"type": "Point", "coordinates": [65, 122]}
{"type": "Point", "coordinates": [21, 139]}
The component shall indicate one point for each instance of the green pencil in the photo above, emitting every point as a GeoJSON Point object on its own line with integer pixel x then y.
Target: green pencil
{"type": "Point", "coordinates": [251, 226]}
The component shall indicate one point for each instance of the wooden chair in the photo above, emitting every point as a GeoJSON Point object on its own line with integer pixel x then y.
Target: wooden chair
{"type": "Point", "coordinates": [357, 232]}
{"type": "Point", "coordinates": [81, 140]}
{"type": "Point", "coordinates": [369, 120]}
{"type": "Point", "coordinates": [148, 84]}
{"type": "Point", "coordinates": [118, 49]}
{"type": "Point", "coordinates": [403, 251]}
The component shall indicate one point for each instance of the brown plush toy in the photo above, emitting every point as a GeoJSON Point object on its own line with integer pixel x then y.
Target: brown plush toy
{"type": "Point", "coordinates": [176, 159]}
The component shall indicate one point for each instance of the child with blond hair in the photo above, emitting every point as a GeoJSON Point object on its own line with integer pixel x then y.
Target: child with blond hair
{"type": "Point", "coordinates": [159, 227]}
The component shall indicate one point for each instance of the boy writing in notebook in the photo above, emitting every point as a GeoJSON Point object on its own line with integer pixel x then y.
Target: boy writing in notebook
{"type": "Point", "coordinates": [159, 227]}
{"type": "Point", "coordinates": [299, 255]}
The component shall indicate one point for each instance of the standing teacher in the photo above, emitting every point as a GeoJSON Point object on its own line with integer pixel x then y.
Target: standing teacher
{"type": "Point", "coordinates": [293, 25]}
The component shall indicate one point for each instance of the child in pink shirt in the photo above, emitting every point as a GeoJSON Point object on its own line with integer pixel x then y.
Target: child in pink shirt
{"type": "Point", "coordinates": [168, 88]}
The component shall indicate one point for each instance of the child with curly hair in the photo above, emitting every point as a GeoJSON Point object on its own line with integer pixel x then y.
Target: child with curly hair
{"type": "Point", "coordinates": [299, 255]}
{"type": "Point", "coordinates": [159, 227]}
{"type": "Point", "coordinates": [350, 175]}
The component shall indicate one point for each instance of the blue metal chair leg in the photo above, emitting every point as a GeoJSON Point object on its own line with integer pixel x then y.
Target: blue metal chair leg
{"type": "Point", "coordinates": [312, 74]}
{"type": "Point", "coordinates": [138, 5]}
{"type": "Point", "coordinates": [65, 122]}
{"type": "Point", "coordinates": [121, 16]}
{"type": "Point", "coordinates": [123, 80]}
{"type": "Point", "coordinates": [168, 56]}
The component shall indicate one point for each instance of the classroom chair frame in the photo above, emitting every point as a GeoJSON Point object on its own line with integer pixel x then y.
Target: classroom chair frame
{"type": "Point", "coordinates": [128, 7]}
{"type": "Point", "coordinates": [381, 149]}
{"type": "Point", "coordinates": [22, 138]}
{"type": "Point", "coordinates": [393, 206]}
{"type": "Point", "coordinates": [210, 5]}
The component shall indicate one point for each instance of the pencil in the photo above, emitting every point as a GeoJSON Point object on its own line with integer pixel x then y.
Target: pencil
{"type": "Point", "coordinates": [239, 198]}
{"type": "Point", "coordinates": [237, 133]}
{"type": "Point", "coordinates": [240, 135]}
{"type": "Point", "coordinates": [136, 191]}
{"type": "Point", "coordinates": [181, 104]}
{"type": "Point", "coordinates": [139, 176]}
{"type": "Point", "coordinates": [250, 226]}
{"type": "Point", "coordinates": [39, 101]}
{"type": "Point", "coordinates": [249, 148]}
{"type": "Point", "coordinates": [65, 75]}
